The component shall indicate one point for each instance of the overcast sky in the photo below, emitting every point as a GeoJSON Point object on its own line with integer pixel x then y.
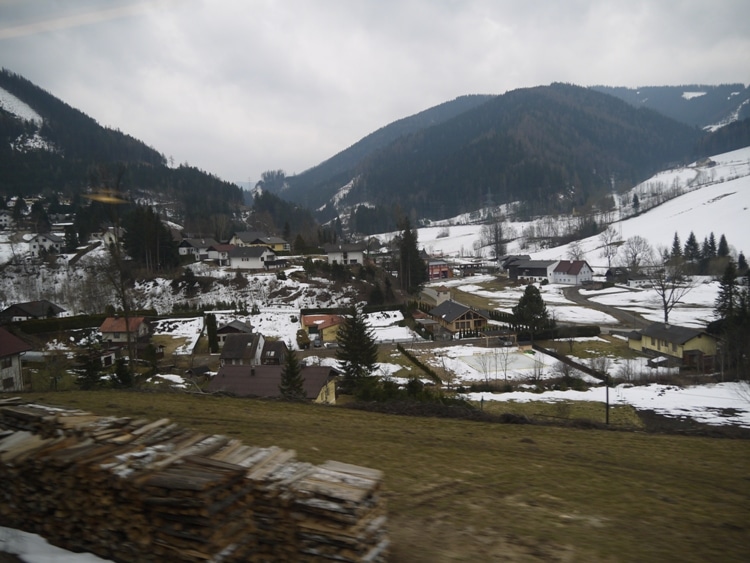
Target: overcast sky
{"type": "Point", "coordinates": [237, 87]}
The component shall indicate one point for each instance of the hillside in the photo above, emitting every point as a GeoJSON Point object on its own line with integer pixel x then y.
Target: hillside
{"type": "Point", "coordinates": [699, 105]}
{"type": "Point", "coordinates": [48, 146]}
{"type": "Point", "coordinates": [553, 148]}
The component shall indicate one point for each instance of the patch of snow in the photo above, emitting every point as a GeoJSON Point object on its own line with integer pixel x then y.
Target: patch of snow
{"type": "Point", "coordinates": [692, 95]}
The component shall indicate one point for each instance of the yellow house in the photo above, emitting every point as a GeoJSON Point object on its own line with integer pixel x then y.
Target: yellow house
{"type": "Point", "coordinates": [682, 346]}
{"type": "Point", "coordinates": [324, 327]}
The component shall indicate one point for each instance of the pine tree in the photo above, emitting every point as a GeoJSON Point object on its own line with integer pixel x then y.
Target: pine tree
{"type": "Point", "coordinates": [692, 251]}
{"type": "Point", "coordinates": [723, 250]}
{"type": "Point", "coordinates": [291, 386]}
{"type": "Point", "coordinates": [412, 269]}
{"type": "Point", "coordinates": [725, 306]}
{"type": "Point", "coordinates": [531, 312]}
{"type": "Point", "coordinates": [636, 203]}
{"type": "Point", "coordinates": [741, 263]}
{"type": "Point", "coordinates": [712, 245]}
{"type": "Point", "coordinates": [213, 339]}
{"type": "Point", "coordinates": [357, 353]}
{"type": "Point", "coordinates": [676, 247]}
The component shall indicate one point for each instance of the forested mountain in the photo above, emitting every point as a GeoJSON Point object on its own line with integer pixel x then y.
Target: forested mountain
{"type": "Point", "coordinates": [555, 149]}
{"type": "Point", "coordinates": [316, 185]}
{"type": "Point", "coordinates": [68, 152]}
{"type": "Point", "coordinates": [695, 104]}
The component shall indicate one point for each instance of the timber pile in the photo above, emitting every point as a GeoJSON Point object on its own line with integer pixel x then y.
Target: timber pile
{"type": "Point", "coordinates": [134, 490]}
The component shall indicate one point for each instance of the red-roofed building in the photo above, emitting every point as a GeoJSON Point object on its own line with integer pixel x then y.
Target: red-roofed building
{"type": "Point", "coordinates": [114, 329]}
{"type": "Point", "coordinates": [575, 272]}
{"type": "Point", "coordinates": [322, 327]}
{"type": "Point", "coordinates": [11, 348]}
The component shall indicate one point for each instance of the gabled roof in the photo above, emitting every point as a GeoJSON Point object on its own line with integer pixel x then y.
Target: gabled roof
{"type": "Point", "coordinates": [235, 326]}
{"type": "Point", "coordinates": [321, 321]}
{"type": "Point", "coordinates": [569, 267]}
{"type": "Point", "coordinates": [250, 251]}
{"type": "Point", "coordinates": [11, 345]}
{"type": "Point", "coordinates": [117, 324]}
{"type": "Point", "coordinates": [672, 333]}
{"type": "Point", "coordinates": [198, 242]}
{"type": "Point", "coordinates": [51, 236]}
{"type": "Point", "coordinates": [238, 346]}
{"type": "Point", "coordinates": [258, 237]}
{"type": "Point", "coordinates": [274, 350]}
{"type": "Point", "coordinates": [532, 264]}
{"type": "Point", "coordinates": [449, 311]}
{"type": "Point", "coordinates": [36, 309]}
{"type": "Point", "coordinates": [263, 381]}
{"type": "Point", "coordinates": [343, 247]}
{"type": "Point", "coordinates": [221, 247]}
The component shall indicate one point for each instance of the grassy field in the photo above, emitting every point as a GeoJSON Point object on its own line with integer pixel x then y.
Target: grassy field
{"type": "Point", "coordinates": [469, 491]}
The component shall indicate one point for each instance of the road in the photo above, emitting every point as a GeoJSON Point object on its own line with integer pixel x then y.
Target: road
{"type": "Point", "coordinates": [627, 319]}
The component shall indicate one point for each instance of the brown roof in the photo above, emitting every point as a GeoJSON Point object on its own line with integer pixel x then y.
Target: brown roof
{"type": "Point", "coordinates": [117, 324]}
{"type": "Point", "coordinates": [321, 321]}
{"type": "Point", "coordinates": [570, 267]}
{"type": "Point", "coordinates": [11, 345]}
{"type": "Point", "coordinates": [263, 381]}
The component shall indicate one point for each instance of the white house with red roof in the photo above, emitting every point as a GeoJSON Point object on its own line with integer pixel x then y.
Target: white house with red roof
{"type": "Point", "coordinates": [115, 329]}
{"type": "Point", "coordinates": [572, 272]}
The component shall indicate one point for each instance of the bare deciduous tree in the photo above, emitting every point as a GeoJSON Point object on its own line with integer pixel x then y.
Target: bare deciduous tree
{"type": "Point", "coordinates": [670, 281]}
{"type": "Point", "coordinates": [637, 251]}
{"type": "Point", "coordinates": [575, 251]}
{"type": "Point", "coordinates": [609, 237]}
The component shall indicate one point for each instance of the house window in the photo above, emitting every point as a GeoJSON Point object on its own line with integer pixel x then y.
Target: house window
{"type": "Point", "coordinates": [8, 383]}
{"type": "Point", "coordinates": [116, 335]}
{"type": "Point", "coordinates": [6, 362]}
{"type": "Point", "coordinates": [653, 341]}
{"type": "Point", "coordinates": [674, 347]}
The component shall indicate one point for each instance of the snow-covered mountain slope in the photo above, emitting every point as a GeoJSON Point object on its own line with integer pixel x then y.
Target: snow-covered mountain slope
{"type": "Point", "coordinates": [17, 107]}
{"type": "Point", "coordinates": [716, 199]}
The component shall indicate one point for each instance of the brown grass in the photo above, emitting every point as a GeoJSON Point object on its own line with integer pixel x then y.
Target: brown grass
{"type": "Point", "coordinates": [469, 491]}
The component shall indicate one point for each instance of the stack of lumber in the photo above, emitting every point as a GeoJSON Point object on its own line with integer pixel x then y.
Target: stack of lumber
{"type": "Point", "coordinates": [135, 490]}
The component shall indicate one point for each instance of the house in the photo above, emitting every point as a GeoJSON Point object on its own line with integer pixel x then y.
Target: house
{"type": "Point", "coordinates": [6, 219]}
{"type": "Point", "coordinates": [531, 270]}
{"type": "Point", "coordinates": [234, 327]}
{"type": "Point", "coordinates": [196, 247]}
{"type": "Point", "coordinates": [41, 309]}
{"type": "Point", "coordinates": [346, 254]}
{"type": "Point", "coordinates": [242, 350]}
{"type": "Point", "coordinates": [505, 262]}
{"type": "Point", "coordinates": [572, 272]}
{"type": "Point", "coordinates": [252, 258]}
{"type": "Point", "coordinates": [322, 327]}
{"type": "Point", "coordinates": [116, 329]}
{"type": "Point", "coordinates": [46, 242]}
{"type": "Point", "coordinates": [435, 295]}
{"type": "Point", "coordinates": [681, 346]}
{"type": "Point", "coordinates": [11, 349]}
{"type": "Point", "coordinates": [219, 253]}
{"type": "Point", "coordinates": [319, 382]}
{"type": "Point", "coordinates": [259, 238]}
{"type": "Point", "coordinates": [455, 317]}
{"type": "Point", "coordinates": [438, 269]}
{"type": "Point", "coordinates": [274, 352]}
{"type": "Point", "coordinates": [617, 275]}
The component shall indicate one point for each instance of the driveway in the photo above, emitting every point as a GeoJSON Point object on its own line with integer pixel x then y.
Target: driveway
{"type": "Point", "coordinates": [628, 319]}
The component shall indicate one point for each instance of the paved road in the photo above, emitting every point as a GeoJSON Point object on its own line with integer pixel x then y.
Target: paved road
{"type": "Point", "coordinates": [627, 319]}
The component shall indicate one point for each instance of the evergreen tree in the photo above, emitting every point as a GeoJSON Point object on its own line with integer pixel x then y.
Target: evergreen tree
{"type": "Point", "coordinates": [676, 246]}
{"type": "Point", "coordinates": [636, 204]}
{"type": "Point", "coordinates": [741, 263]}
{"type": "Point", "coordinates": [412, 269]}
{"type": "Point", "coordinates": [213, 339]}
{"type": "Point", "coordinates": [723, 250]}
{"type": "Point", "coordinates": [712, 245]}
{"type": "Point", "coordinates": [291, 386]}
{"type": "Point", "coordinates": [531, 312]}
{"type": "Point", "coordinates": [725, 306]}
{"type": "Point", "coordinates": [89, 370]}
{"type": "Point", "coordinates": [357, 352]}
{"type": "Point", "coordinates": [123, 376]}
{"type": "Point", "coordinates": [692, 250]}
